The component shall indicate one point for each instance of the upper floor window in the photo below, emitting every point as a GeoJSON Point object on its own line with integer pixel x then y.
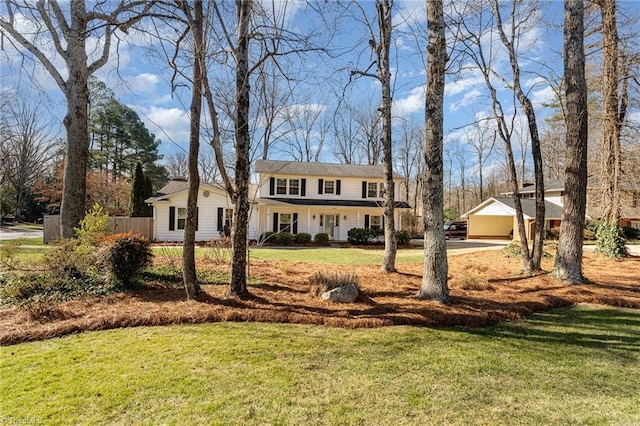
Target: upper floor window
{"type": "Point", "coordinates": [294, 186]}
{"type": "Point", "coordinates": [281, 186]}
{"type": "Point", "coordinates": [373, 189]}
{"type": "Point", "coordinates": [329, 186]}
{"type": "Point", "coordinates": [636, 200]}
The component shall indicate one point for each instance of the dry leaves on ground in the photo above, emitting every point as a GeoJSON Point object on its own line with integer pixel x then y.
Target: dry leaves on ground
{"type": "Point", "coordinates": [485, 287]}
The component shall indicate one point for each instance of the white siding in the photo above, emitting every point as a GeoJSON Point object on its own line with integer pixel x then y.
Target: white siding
{"type": "Point", "coordinates": [207, 216]}
{"type": "Point", "coordinates": [350, 188]}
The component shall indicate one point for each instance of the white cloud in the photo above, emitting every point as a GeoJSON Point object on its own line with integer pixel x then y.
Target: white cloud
{"type": "Point", "coordinates": [171, 125]}
{"type": "Point", "coordinates": [413, 102]}
{"type": "Point", "coordinates": [468, 99]}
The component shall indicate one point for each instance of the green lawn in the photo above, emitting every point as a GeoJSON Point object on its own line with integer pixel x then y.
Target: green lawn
{"type": "Point", "coordinates": [578, 365]}
{"type": "Point", "coordinates": [37, 241]}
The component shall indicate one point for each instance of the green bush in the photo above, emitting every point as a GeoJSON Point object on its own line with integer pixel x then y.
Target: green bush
{"type": "Point", "coordinates": [303, 238]}
{"type": "Point", "coordinates": [403, 237]}
{"type": "Point", "coordinates": [631, 233]}
{"type": "Point", "coordinates": [284, 238]}
{"type": "Point", "coordinates": [362, 236]}
{"type": "Point", "coordinates": [322, 239]}
{"type": "Point", "coordinates": [94, 226]}
{"type": "Point", "coordinates": [266, 237]}
{"type": "Point", "coordinates": [125, 256]}
{"type": "Point", "coordinates": [611, 241]}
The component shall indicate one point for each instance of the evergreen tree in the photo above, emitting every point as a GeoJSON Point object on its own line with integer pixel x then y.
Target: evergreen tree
{"type": "Point", "coordinates": [139, 193]}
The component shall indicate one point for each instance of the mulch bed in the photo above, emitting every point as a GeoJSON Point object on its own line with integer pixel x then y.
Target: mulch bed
{"type": "Point", "coordinates": [485, 288]}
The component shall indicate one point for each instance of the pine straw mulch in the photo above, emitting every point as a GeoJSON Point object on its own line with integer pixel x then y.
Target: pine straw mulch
{"type": "Point", "coordinates": [485, 287]}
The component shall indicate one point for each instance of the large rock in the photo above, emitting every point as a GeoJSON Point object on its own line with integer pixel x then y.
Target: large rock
{"type": "Point", "coordinates": [344, 294]}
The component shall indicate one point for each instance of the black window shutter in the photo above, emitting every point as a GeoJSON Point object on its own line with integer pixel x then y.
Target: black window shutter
{"type": "Point", "coordinates": [382, 222]}
{"type": "Point", "coordinates": [303, 188]}
{"type": "Point", "coordinates": [172, 218]}
{"type": "Point", "coordinates": [338, 187]}
{"type": "Point", "coordinates": [220, 218]}
{"type": "Point", "coordinates": [275, 222]}
{"type": "Point", "coordinates": [366, 221]}
{"type": "Point", "coordinates": [197, 217]}
{"type": "Point", "coordinates": [272, 186]}
{"type": "Point", "coordinates": [320, 185]}
{"type": "Point", "coordinates": [295, 223]}
{"type": "Point", "coordinates": [364, 189]}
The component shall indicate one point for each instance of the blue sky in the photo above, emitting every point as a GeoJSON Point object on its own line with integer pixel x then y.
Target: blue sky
{"type": "Point", "coordinates": [141, 80]}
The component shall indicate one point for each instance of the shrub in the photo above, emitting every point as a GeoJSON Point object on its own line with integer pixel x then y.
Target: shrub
{"type": "Point", "coordinates": [361, 236]}
{"type": "Point", "coordinates": [94, 226]}
{"type": "Point", "coordinates": [219, 251]}
{"type": "Point", "coordinates": [513, 249]}
{"type": "Point", "coordinates": [403, 237]}
{"type": "Point", "coordinates": [631, 233]}
{"type": "Point", "coordinates": [611, 241]}
{"type": "Point", "coordinates": [124, 256]}
{"type": "Point", "coordinates": [284, 238]}
{"type": "Point", "coordinates": [358, 236]}
{"type": "Point", "coordinates": [266, 237]}
{"type": "Point", "coordinates": [325, 281]}
{"type": "Point", "coordinates": [322, 238]}
{"type": "Point", "coordinates": [303, 238]}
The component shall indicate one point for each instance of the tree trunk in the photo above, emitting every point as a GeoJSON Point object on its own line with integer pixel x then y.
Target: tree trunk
{"type": "Point", "coordinates": [568, 263]}
{"type": "Point", "coordinates": [189, 275]}
{"type": "Point", "coordinates": [384, 74]}
{"type": "Point", "coordinates": [436, 268]}
{"type": "Point", "coordinates": [238, 285]}
{"type": "Point", "coordinates": [610, 124]}
{"type": "Point", "coordinates": [74, 186]}
{"type": "Point", "coordinates": [529, 111]}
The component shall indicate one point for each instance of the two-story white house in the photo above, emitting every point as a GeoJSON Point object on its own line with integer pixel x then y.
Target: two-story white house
{"type": "Point", "coordinates": [287, 196]}
{"type": "Point", "coordinates": [322, 197]}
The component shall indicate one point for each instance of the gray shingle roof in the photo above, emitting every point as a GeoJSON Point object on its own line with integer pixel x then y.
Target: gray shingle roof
{"type": "Point", "coordinates": [297, 168]}
{"type": "Point", "coordinates": [552, 185]}
{"type": "Point", "coordinates": [552, 211]}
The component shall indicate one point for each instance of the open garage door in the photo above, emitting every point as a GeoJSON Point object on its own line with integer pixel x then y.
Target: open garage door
{"type": "Point", "coordinates": [489, 226]}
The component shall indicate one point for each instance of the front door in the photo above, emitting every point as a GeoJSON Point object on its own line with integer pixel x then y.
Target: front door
{"type": "Point", "coordinates": [329, 224]}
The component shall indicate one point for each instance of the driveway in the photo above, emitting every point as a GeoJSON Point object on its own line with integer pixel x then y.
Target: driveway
{"type": "Point", "coordinates": [9, 233]}
{"type": "Point", "coordinates": [465, 246]}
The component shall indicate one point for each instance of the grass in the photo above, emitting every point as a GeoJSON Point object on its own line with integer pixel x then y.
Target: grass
{"type": "Point", "coordinates": [578, 365]}
{"type": "Point", "coordinates": [342, 256]}
{"type": "Point", "coordinates": [36, 241]}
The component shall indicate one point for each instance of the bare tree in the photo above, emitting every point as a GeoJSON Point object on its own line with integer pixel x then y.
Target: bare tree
{"type": "Point", "coordinates": [308, 131]}
{"type": "Point", "coordinates": [510, 43]}
{"type": "Point", "coordinates": [568, 263]}
{"type": "Point", "coordinates": [28, 145]}
{"type": "Point", "coordinates": [472, 42]}
{"type": "Point", "coordinates": [434, 278]}
{"type": "Point", "coordinates": [176, 164]}
{"type": "Point", "coordinates": [381, 46]}
{"type": "Point", "coordinates": [69, 29]}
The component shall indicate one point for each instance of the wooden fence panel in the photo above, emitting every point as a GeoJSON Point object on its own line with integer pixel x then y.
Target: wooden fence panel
{"type": "Point", "coordinates": [118, 224]}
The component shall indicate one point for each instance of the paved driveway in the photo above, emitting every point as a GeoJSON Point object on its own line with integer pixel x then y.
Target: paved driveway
{"type": "Point", "coordinates": [8, 233]}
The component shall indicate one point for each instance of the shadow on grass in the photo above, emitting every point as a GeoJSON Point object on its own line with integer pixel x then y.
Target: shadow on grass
{"type": "Point", "coordinates": [613, 330]}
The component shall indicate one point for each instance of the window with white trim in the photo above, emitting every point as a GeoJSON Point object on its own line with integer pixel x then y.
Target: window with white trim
{"type": "Point", "coordinates": [285, 221]}
{"type": "Point", "coordinates": [329, 186]}
{"type": "Point", "coordinates": [294, 186]}
{"type": "Point", "coordinates": [182, 217]}
{"type": "Point", "coordinates": [375, 222]}
{"type": "Point", "coordinates": [375, 189]}
{"type": "Point", "coordinates": [281, 186]}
